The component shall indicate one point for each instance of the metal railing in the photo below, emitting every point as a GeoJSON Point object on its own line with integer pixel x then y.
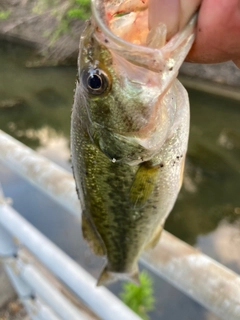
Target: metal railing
{"type": "Point", "coordinates": [17, 233]}
{"type": "Point", "coordinates": [212, 285]}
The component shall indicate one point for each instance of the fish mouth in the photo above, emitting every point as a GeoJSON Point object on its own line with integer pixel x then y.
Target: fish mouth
{"type": "Point", "coordinates": [160, 56]}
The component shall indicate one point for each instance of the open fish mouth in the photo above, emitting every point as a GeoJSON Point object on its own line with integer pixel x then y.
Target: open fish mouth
{"type": "Point", "coordinates": [118, 29]}
{"type": "Point", "coordinates": [147, 60]}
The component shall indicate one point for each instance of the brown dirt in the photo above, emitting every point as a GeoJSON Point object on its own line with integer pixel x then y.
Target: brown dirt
{"type": "Point", "coordinates": [13, 311]}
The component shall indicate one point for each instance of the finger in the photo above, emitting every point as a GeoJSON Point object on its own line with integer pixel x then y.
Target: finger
{"type": "Point", "coordinates": [174, 13]}
{"type": "Point", "coordinates": [187, 9]}
{"type": "Point", "coordinates": [218, 32]}
{"type": "Point", "coordinates": [237, 62]}
{"type": "Point", "coordinates": [165, 11]}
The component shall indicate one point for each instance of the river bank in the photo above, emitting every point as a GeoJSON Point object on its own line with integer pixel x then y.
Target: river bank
{"type": "Point", "coordinates": [41, 27]}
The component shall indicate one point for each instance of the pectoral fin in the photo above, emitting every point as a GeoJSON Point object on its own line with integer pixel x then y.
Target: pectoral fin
{"type": "Point", "coordinates": [92, 237]}
{"type": "Point", "coordinates": [143, 184]}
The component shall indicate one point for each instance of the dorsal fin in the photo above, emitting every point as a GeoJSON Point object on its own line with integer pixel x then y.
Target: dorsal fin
{"type": "Point", "coordinates": [155, 238]}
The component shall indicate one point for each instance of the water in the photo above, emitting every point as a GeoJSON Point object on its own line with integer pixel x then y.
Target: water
{"type": "Point", "coordinates": [36, 107]}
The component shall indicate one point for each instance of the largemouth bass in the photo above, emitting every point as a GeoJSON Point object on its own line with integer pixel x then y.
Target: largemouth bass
{"type": "Point", "coordinates": [129, 131]}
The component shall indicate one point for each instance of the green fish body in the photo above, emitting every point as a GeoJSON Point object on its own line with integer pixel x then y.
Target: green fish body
{"type": "Point", "coordinates": [129, 133]}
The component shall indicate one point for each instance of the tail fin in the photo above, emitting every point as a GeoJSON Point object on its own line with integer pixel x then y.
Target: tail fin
{"type": "Point", "coordinates": [107, 277]}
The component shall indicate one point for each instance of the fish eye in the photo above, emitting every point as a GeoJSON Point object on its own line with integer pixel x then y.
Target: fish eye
{"type": "Point", "coordinates": [95, 81]}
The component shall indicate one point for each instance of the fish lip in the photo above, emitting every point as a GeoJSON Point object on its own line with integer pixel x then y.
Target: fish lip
{"type": "Point", "coordinates": [154, 59]}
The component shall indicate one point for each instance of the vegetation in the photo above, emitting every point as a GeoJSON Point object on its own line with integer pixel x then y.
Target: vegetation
{"type": "Point", "coordinates": [139, 297]}
{"type": "Point", "coordinates": [65, 12]}
{"type": "Point", "coordinates": [4, 14]}
{"type": "Point", "coordinates": [70, 9]}
{"type": "Point", "coordinates": [79, 9]}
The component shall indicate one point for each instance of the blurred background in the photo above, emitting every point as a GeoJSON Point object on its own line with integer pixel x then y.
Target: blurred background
{"type": "Point", "coordinates": [38, 53]}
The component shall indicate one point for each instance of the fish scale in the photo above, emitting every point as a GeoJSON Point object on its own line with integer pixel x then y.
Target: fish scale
{"type": "Point", "coordinates": [129, 135]}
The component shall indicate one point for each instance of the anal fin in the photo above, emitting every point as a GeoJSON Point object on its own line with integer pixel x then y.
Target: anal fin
{"type": "Point", "coordinates": [92, 237]}
{"type": "Point", "coordinates": [155, 238]}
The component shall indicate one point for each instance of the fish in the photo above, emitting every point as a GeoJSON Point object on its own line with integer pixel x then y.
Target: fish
{"type": "Point", "coordinates": [129, 131]}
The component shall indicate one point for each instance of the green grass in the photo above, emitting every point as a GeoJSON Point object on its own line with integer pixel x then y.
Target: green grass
{"type": "Point", "coordinates": [80, 9]}
{"type": "Point", "coordinates": [77, 10]}
{"type": "Point", "coordinates": [139, 298]}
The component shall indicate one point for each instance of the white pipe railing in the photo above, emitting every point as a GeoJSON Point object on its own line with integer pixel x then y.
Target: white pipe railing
{"type": "Point", "coordinates": [44, 289]}
{"type": "Point", "coordinates": [101, 301]}
{"type": "Point", "coordinates": [36, 309]}
{"type": "Point", "coordinates": [200, 277]}
{"type": "Point", "coordinates": [39, 292]}
{"type": "Point", "coordinates": [206, 281]}
{"type": "Point", "coordinates": [47, 176]}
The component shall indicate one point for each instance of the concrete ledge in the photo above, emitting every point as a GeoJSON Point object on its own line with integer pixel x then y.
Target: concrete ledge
{"type": "Point", "coordinates": [211, 87]}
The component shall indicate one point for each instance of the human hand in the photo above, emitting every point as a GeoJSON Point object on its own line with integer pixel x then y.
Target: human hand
{"type": "Point", "coordinates": [218, 27]}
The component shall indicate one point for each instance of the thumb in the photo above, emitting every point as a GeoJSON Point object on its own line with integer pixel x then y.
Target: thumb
{"type": "Point", "coordinates": [237, 63]}
{"type": "Point", "coordinates": [174, 13]}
